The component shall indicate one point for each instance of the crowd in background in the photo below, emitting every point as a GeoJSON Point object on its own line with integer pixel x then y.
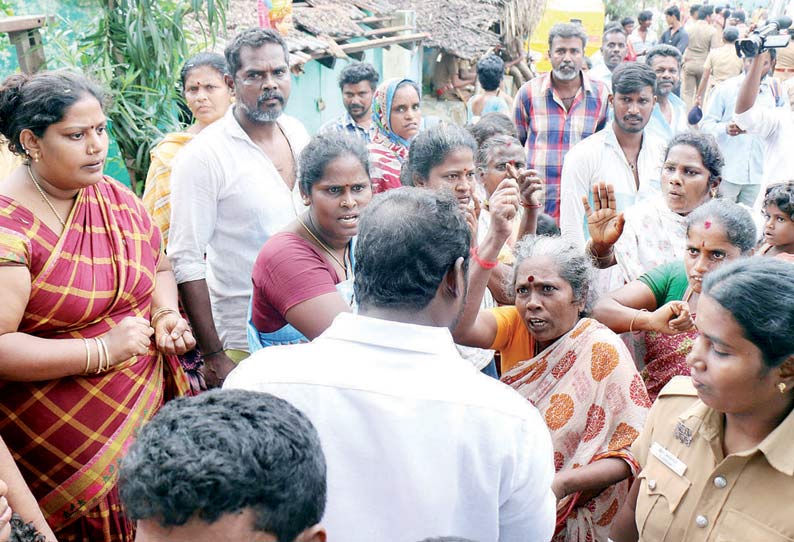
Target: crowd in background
{"type": "Point", "coordinates": [571, 319]}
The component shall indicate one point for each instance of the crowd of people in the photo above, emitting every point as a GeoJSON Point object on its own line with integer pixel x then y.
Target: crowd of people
{"type": "Point", "coordinates": [570, 320]}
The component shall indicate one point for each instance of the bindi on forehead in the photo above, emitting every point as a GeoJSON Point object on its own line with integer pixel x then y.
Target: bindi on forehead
{"type": "Point", "coordinates": [531, 278]}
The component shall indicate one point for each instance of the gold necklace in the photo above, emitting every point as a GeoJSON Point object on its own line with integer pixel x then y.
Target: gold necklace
{"type": "Point", "coordinates": [44, 196]}
{"type": "Point", "coordinates": [342, 264]}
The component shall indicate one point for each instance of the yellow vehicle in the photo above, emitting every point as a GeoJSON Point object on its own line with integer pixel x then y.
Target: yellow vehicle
{"type": "Point", "coordinates": [590, 13]}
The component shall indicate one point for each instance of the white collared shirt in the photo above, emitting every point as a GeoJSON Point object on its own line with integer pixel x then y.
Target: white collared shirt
{"type": "Point", "coordinates": [418, 443]}
{"type": "Point", "coordinates": [227, 199]}
{"type": "Point", "coordinates": [775, 127]}
{"type": "Point", "coordinates": [600, 158]}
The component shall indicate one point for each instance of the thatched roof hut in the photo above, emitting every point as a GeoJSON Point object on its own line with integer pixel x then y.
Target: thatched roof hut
{"type": "Point", "coordinates": [336, 28]}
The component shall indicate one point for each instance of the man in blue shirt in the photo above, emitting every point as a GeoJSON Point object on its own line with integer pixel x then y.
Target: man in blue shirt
{"type": "Point", "coordinates": [669, 116]}
{"type": "Point", "coordinates": [744, 153]}
{"type": "Point", "coordinates": [357, 82]}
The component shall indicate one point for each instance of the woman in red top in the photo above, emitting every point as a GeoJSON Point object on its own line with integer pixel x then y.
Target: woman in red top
{"type": "Point", "coordinates": [303, 276]}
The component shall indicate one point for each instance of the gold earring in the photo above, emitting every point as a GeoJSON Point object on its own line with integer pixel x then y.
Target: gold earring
{"type": "Point", "coordinates": [781, 387]}
{"type": "Point", "coordinates": [713, 193]}
{"type": "Point", "coordinates": [36, 157]}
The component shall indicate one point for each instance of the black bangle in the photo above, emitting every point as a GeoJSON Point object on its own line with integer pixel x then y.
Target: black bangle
{"type": "Point", "coordinates": [214, 353]}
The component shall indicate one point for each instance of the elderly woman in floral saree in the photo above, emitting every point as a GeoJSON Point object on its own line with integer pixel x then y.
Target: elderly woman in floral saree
{"type": "Point", "coordinates": [85, 286]}
{"type": "Point", "coordinates": [576, 372]}
{"type": "Point", "coordinates": [396, 111]}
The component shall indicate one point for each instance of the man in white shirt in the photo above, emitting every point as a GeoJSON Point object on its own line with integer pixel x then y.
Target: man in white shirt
{"type": "Point", "coordinates": [623, 154]}
{"type": "Point", "coordinates": [744, 153]}
{"type": "Point", "coordinates": [232, 188]}
{"type": "Point", "coordinates": [669, 116]}
{"type": "Point", "coordinates": [775, 127]}
{"type": "Point", "coordinates": [613, 51]}
{"type": "Point", "coordinates": [643, 38]}
{"type": "Point", "coordinates": [418, 443]}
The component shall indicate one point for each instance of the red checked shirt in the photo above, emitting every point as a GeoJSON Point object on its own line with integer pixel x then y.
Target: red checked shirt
{"type": "Point", "coordinates": [547, 130]}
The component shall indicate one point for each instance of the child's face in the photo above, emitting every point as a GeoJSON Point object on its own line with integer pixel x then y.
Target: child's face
{"type": "Point", "coordinates": [778, 228]}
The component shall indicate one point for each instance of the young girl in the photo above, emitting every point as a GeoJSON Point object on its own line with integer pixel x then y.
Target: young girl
{"type": "Point", "coordinates": [779, 223]}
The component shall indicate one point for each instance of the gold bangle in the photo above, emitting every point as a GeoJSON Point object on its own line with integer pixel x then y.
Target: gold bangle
{"type": "Point", "coordinates": [156, 315]}
{"type": "Point", "coordinates": [106, 350]}
{"type": "Point", "coordinates": [99, 354]}
{"type": "Point", "coordinates": [631, 324]}
{"type": "Point", "coordinates": [87, 356]}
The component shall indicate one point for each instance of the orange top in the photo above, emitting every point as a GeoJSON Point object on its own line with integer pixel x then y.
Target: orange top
{"type": "Point", "coordinates": [513, 340]}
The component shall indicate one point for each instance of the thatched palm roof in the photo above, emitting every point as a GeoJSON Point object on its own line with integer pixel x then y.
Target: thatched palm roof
{"type": "Point", "coordinates": [466, 28]}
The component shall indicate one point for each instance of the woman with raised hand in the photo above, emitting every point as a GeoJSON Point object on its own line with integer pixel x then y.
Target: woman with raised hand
{"type": "Point", "coordinates": [652, 232]}
{"type": "Point", "coordinates": [89, 326]}
{"type": "Point", "coordinates": [208, 97]}
{"type": "Point", "coordinates": [716, 450]}
{"type": "Point", "coordinates": [397, 114]}
{"type": "Point", "coordinates": [577, 372]}
{"type": "Point", "coordinates": [663, 301]}
{"type": "Point", "coordinates": [303, 276]}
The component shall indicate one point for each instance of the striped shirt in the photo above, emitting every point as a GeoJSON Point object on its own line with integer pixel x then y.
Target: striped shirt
{"type": "Point", "coordinates": [547, 130]}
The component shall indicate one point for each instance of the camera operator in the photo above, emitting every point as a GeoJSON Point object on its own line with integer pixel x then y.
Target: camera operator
{"type": "Point", "coordinates": [775, 127]}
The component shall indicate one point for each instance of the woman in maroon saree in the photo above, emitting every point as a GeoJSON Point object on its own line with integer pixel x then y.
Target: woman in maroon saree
{"type": "Point", "coordinates": [89, 327]}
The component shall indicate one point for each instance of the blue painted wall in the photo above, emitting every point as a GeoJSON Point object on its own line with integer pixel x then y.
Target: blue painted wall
{"type": "Point", "coordinates": [319, 86]}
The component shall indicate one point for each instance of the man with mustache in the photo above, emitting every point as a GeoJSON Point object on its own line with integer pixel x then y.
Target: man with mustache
{"type": "Point", "coordinates": [613, 52]}
{"type": "Point", "coordinates": [623, 154]}
{"type": "Point", "coordinates": [669, 115]}
{"type": "Point", "coordinates": [357, 82]}
{"type": "Point", "coordinates": [557, 110]}
{"type": "Point", "coordinates": [233, 187]}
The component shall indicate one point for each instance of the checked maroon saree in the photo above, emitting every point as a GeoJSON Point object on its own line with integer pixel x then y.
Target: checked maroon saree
{"type": "Point", "coordinates": [69, 435]}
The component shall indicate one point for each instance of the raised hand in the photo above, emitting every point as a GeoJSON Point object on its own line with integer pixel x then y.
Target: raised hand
{"type": "Point", "coordinates": [472, 214]}
{"type": "Point", "coordinates": [503, 208]}
{"type": "Point", "coordinates": [604, 222]}
{"type": "Point", "coordinates": [530, 186]}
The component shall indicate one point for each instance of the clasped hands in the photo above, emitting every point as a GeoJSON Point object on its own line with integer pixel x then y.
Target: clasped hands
{"type": "Point", "coordinates": [132, 337]}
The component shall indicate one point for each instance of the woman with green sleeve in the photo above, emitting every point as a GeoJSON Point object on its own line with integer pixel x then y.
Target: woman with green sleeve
{"type": "Point", "coordinates": [663, 302]}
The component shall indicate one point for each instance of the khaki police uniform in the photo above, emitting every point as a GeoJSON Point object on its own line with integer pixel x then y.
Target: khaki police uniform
{"type": "Point", "coordinates": [702, 39]}
{"type": "Point", "coordinates": [689, 492]}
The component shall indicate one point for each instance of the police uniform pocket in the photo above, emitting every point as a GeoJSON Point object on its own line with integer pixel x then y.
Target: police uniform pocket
{"type": "Point", "coordinates": [661, 492]}
{"type": "Point", "coordinates": [735, 526]}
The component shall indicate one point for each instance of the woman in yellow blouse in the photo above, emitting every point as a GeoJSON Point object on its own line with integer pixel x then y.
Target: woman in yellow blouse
{"type": "Point", "coordinates": [208, 97]}
{"type": "Point", "coordinates": [716, 449]}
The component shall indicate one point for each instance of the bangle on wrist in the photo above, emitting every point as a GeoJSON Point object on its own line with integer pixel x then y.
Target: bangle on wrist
{"type": "Point", "coordinates": [214, 353]}
{"type": "Point", "coordinates": [531, 205]}
{"type": "Point", "coordinates": [159, 313]}
{"type": "Point", "coordinates": [606, 256]}
{"type": "Point", "coordinates": [485, 264]}
{"type": "Point", "coordinates": [636, 314]}
{"type": "Point", "coordinates": [99, 355]}
{"type": "Point", "coordinates": [106, 351]}
{"type": "Point", "coordinates": [87, 356]}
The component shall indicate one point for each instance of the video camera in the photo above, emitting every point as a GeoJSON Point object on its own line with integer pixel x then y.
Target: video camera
{"type": "Point", "coordinates": [767, 37]}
